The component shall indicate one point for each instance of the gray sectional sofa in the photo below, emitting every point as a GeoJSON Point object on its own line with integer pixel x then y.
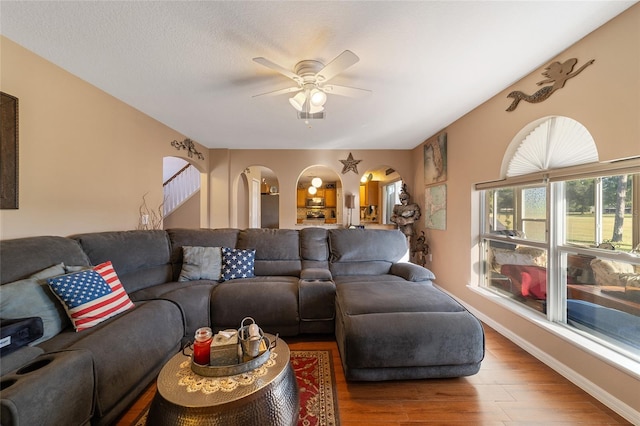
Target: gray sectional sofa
{"type": "Point", "coordinates": [389, 320]}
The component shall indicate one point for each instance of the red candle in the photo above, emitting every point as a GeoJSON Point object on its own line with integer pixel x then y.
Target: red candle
{"type": "Point", "coordinates": [202, 346]}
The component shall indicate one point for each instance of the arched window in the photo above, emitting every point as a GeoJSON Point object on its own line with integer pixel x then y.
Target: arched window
{"type": "Point", "coordinates": [554, 143]}
{"type": "Point", "coordinates": [559, 235]}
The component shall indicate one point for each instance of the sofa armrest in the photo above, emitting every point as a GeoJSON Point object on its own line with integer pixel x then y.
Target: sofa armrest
{"type": "Point", "coordinates": [412, 272]}
{"type": "Point", "coordinates": [17, 359]}
{"type": "Point", "coordinates": [320, 274]}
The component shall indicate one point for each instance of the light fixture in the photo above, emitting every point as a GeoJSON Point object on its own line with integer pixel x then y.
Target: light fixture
{"type": "Point", "coordinates": [317, 182]}
{"type": "Point", "coordinates": [318, 97]}
{"type": "Point", "coordinates": [315, 109]}
{"type": "Point", "coordinates": [298, 101]}
{"type": "Point", "coordinates": [366, 178]}
{"type": "Point", "coordinates": [312, 190]}
{"type": "Point", "coordinates": [309, 102]}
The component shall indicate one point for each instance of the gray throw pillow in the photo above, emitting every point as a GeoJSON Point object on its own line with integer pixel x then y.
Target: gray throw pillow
{"type": "Point", "coordinates": [201, 263]}
{"type": "Point", "coordinates": [32, 297]}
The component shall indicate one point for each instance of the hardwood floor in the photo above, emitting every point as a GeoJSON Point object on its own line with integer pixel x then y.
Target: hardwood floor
{"type": "Point", "coordinates": [512, 388]}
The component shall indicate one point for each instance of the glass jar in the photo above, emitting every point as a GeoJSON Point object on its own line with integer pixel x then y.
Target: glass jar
{"type": "Point", "coordinates": [202, 346]}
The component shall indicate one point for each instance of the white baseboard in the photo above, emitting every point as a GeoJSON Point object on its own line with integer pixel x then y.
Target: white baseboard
{"type": "Point", "coordinates": [621, 408]}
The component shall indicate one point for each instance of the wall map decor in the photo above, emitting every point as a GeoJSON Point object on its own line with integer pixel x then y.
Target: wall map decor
{"type": "Point", "coordinates": [556, 73]}
{"type": "Point", "coordinates": [190, 146]}
{"type": "Point", "coordinates": [435, 200]}
{"type": "Point", "coordinates": [350, 164]}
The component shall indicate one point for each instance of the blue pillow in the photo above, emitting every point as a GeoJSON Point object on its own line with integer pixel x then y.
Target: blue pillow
{"type": "Point", "coordinates": [237, 263]}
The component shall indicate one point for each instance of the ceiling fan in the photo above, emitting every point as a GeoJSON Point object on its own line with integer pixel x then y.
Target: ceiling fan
{"type": "Point", "coordinates": [311, 79]}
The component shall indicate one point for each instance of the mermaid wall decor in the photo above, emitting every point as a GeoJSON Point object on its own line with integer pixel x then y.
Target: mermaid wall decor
{"type": "Point", "coordinates": [556, 73]}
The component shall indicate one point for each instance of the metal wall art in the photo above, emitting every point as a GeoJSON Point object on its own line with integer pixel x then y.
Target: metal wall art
{"type": "Point", "coordinates": [556, 73]}
{"type": "Point", "coordinates": [190, 146]}
{"type": "Point", "coordinates": [350, 164]}
{"type": "Point", "coordinates": [8, 151]}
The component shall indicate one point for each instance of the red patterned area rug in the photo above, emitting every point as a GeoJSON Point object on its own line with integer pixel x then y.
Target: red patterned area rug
{"type": "Point", "coordinates": [316, 384]}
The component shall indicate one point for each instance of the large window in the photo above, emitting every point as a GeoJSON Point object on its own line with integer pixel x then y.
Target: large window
{"type": "Point", "coordinates": [569, 249]}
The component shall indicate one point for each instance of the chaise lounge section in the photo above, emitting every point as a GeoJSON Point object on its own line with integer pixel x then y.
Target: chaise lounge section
{"type": "Point", "coordinates": [391, 322]}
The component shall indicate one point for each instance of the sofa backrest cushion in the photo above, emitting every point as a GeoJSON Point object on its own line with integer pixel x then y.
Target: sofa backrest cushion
{"type": "Point", "coordinates": [314, 244]}
{"type": "Point", "coordinates": [365, 251]}
{"type": "Point", "coordinates": [23, 257]}
{"type": "Point", "coordinates": [140, 258]}
{"type": "Point", "coordinates": [180, 237]}
{"type": "Point", "coordinates": [277, 250]}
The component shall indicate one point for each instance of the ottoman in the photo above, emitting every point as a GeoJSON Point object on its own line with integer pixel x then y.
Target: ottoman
{"type": "Point", "coordinates": [388, 328]}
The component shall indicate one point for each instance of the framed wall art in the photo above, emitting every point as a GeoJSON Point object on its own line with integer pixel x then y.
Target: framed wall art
{"type": "Point", "coordinates": [435, 200]}
{"type": "Point", "coordinates": [8, 151]}
{"type": "Point", "coordinates": [435, 159]}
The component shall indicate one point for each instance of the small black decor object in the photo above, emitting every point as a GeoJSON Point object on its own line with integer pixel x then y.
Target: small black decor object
{"type": "Point", "coordinates": [18, 332]}
{"type": "Point", "coordinates": [556, 73]}
{"type": "Point", "coordinates": [8, 151]}
{"type": "Point", "coordinates": [350, 164]}
{"type": "Point", "coordinates": [190, 146]}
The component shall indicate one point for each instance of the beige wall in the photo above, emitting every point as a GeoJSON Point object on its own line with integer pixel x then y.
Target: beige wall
{"type": "Point", "coordinates": [288, 165]}
{"type": "Point", "coordinates": [605, 98]}
{"type": "Point", "coordinates": [86, 158]}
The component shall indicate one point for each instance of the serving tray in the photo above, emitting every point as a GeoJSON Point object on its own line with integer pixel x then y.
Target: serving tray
{"type": "Point", "coordinates": [233, 369]}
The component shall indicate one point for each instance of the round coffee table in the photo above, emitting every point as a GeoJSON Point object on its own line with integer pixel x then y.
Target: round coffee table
{"type": "Point", "coordinates": [266, 395]}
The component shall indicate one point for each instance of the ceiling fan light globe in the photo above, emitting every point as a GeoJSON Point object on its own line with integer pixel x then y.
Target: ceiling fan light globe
{"type": "Point", "coordinates": [298, 101]}
{"type": "Point", "coordinates": [315, 109]}
{"type": "Point", "coordinates": [318, 97]}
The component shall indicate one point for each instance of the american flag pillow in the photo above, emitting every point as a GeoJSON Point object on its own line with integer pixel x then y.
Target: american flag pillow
{"type": "Point", "coordinates": [91, 296]}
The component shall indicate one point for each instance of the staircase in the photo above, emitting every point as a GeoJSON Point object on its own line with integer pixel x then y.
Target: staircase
{"type": "Point", "coordinates": [180, 187]}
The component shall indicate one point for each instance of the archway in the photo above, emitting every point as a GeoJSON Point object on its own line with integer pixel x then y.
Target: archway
{"type": "Point", "coordinates": [258, 198]}
{"type": "Point", "coordinates": [379, 193]}
{"type": "Point", "coordinates": [319, 197]}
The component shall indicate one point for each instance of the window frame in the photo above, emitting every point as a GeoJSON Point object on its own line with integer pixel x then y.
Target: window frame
{"type": "Point", "coordinates": [557, 248]}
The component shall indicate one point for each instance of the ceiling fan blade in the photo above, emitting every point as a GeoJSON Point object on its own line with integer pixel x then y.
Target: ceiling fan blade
{"type": "Point", "coordinates": [287, 73]}
{"type": "Point", "coordinates": [352, 92]}
{"type": "Point", "coordinates": [335, 67]}
{"type": "Point", "coordinates": [279, 92]}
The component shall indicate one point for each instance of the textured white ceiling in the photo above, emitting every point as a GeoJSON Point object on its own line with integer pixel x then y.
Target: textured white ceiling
{"type": "Point", "coordinates": [189, 64]}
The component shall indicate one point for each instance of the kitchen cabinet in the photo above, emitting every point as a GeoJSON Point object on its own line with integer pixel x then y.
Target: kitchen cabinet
{"type": "Point", "coordinates": [301, 199]}
{"type": "Point", "coordinates": [369, 193]}
{"type": "Point", "coordinates": [330, 197]}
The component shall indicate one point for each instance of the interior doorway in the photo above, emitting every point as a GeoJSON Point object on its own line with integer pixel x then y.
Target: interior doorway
{"type": "Point", "coordinates": [258, 198]}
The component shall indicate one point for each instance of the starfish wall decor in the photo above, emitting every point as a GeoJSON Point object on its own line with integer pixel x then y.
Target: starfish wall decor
{"type": "Point", "coordinates": [350, 164]}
